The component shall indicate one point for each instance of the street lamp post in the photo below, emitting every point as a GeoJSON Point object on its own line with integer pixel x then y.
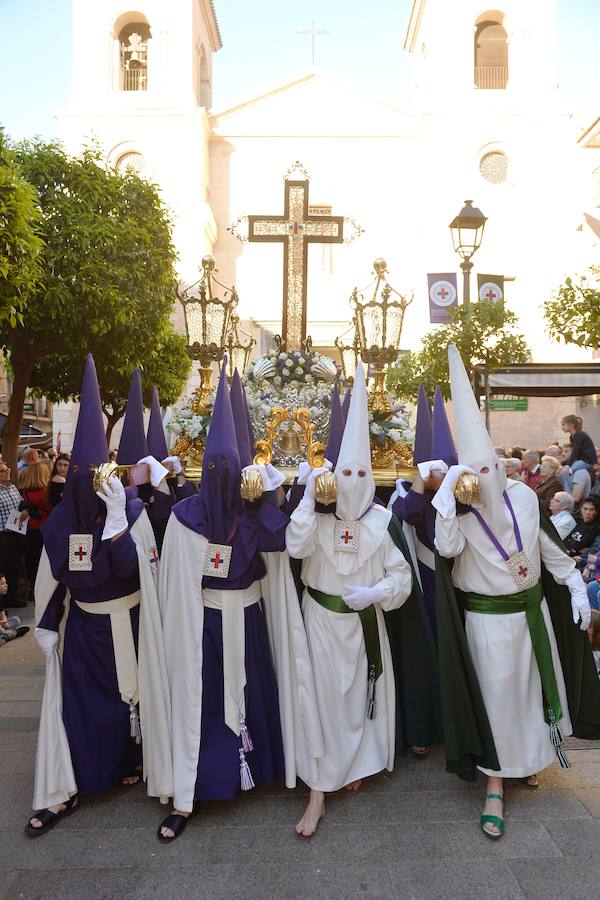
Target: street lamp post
{"type": "Point", "coordinates": [467, 231]}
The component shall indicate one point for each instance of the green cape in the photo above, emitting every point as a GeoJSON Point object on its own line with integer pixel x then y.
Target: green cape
{"type": "Point", "coordinates": [416, 672]}
{"type": "Point", "coordinates": [468, 737]}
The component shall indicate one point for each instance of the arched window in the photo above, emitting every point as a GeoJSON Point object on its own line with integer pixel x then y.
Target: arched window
{"type": "Point", "coordinates": [133, 56]}
{"type": "Point", "coordinates": [491, 53]}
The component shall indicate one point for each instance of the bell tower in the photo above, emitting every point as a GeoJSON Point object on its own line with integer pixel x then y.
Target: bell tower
{"type": "Point", "coordinates": [141, 87]}
{"type": "Point", "coordinates": [462, 47]}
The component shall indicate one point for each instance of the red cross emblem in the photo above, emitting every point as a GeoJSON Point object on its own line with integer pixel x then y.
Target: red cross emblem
{"type": "Point", "coordinates": [443, 293]}
{"type": "Point", "coordinates": [346, 537]}
{"type": "Point", "coordinates": [491, 294]}
{"type": "Point", "coordinates": [523, 570]}
{"type": "Point", "coordinates": [80, 553]}
{"type": "Point", "coordinates": [153, 557]}
{"type": "Point", "coordinates": [216, 560]}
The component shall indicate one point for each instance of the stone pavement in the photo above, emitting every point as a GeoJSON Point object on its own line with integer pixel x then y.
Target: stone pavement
{"type": "Point", "coordinates": [411, 835]}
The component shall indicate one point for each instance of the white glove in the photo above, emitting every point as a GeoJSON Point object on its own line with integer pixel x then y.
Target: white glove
{"type": "Point", "coordinates": [445, 501]}
{"type": "Point", "coordinates": [47, 640]}
{"type": "Point", "coordinates": [425, 468]}
{"type": "Point", "coordinates": [112, 493]}
{"type": "Point", "coordinates": [272, 478]}
{"type": "Point", "coordinates": [358, 598]}
{"type": "Point", "coordinates": [308, 499]}
{"type": "Point", "coordinates": [581, 609]}
{"type": "Point", "coordinates": [175, 462]}
{"type": "Point", "coordinates": [305, 468]}
{"type": "Point", "coordinates": [157, 471]}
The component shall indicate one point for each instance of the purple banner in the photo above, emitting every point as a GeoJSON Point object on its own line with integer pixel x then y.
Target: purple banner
{"type": "Point", "coordinates": [442, 296]}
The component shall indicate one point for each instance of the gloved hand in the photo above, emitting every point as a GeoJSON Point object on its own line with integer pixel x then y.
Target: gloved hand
{"type": "Point", "coordinates": [309, 492]}
{"type": "Point", "coordinates": [358, 598]}
{"type": "Point", "coordinates": [157, 471]}
{"type": "Point", "coordinates": [112, 493]}
{"type": "Point", "coordinates": [47, 640]}
{"type": "Point", "coordinates": [175, 462]}
{"type": "Point", "coordinates": [581, 610]}
{"type": "Point", "coordinates": [445, 501]}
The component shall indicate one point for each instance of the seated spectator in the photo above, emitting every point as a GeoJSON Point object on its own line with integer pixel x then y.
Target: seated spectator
{"type": "Point", "coordinates": [10, 626]}
{"type": "Point", "coordinates": [530, 469]}
{"type": "Point", "coordinates": [554, 450]}
{"type": "Point", "coordinates": [512, 466]}
{"type": "Point", "coordinates": [577, 482]}
{"type": "Point", "coordinates": [582, 446]}
{"type": "Point", "coordinates": [58, 478]}
{"type": "Point", "coordinates": [549, 484]}
{"type": "Point", "coordinates": [35, 507]}
{"type": "Point", "coordinates": [587, 529]}
{"type": "Point", "coordinates": [561, 507]}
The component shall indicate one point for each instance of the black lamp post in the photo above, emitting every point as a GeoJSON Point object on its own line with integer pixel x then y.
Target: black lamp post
{"type": "Point", "coordinates": [467, 232]}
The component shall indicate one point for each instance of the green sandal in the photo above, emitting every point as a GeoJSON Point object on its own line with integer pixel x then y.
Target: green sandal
{"type": "Point", "coordinates": [493, 820]}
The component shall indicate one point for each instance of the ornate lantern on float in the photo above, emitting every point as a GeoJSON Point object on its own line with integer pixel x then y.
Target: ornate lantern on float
{"type": "Point", "coordinates": [349, 349]}
{"type": "Point", "coordinates": [238, 352]}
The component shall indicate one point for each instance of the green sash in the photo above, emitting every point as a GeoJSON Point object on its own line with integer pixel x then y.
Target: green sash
{"type": "Point", "coordinates": [368, 620]}
{"type": "Point", "coordinates": [527, 601]}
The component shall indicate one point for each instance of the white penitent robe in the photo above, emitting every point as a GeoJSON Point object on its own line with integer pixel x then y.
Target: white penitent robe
{"type": "Point", "coordinates": [355, 746]}
{"type": "Point", "coordinates": [500, 645]}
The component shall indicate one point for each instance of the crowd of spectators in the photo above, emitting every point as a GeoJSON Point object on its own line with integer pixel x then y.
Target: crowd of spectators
{"type": "Point", "coordinates": [24, 508]}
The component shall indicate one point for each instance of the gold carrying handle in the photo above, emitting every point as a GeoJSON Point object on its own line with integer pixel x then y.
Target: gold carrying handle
{"type": "Point", "coordinates": [325, 487]}
{"type": "Point", "coordinates": [264, 449]}
{"type": "Point", "coordinates": [103, 472]}
{"type": "Point", "coordinates": [467, 489]}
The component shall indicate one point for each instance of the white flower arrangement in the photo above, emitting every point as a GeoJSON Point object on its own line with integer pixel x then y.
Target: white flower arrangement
{"type": "Point", "coordinates": [184, 423]}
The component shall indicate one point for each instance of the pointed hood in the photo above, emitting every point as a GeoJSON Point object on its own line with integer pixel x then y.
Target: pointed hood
{"type": "Point", "coordinates": [336, 427]}
{"type": "Point", "coordinates": [422, 448]}
{"type": "Point", "coordinates": [474, 443]}
{"type": "Point", "coordinates": [249, 424]}
{"type": "Point", "coordinates": [355, 492]}
{"type": "Point", "coordinates": [346, 403]}
{"type": "Point", "coordinates": [442, 442]}
{"type": "Point", "coordinates": [155, 436]}
{"type": "Point", "coordinates": [214, 511]}
{"type": "Point", "coordinates": [133, 446]}
{"type": "Point", "coordinates": [240, 420]}
{"type": "Point", "coordinates": [89, 444]}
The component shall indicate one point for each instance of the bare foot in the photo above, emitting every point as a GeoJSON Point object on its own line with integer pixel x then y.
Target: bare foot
{"type": "Point", "coordinates": [354, 785]}
{"type": "Point", "coordinates": [167, 832]}
{"type": "Point", "coordinates": [419, 751]}
{"type": "Point", "coordinates": [35, 823]}
{"type": "Point", "coordinates": [132, 778]}
{"type": "Point", "coordinates": [533, 781]}
{"type": "Point", "coordinates": [313, 813]}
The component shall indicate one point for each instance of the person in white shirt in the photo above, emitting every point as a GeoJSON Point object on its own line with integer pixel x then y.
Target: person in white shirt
{"type": "Point", "coordinates": [561, 507]}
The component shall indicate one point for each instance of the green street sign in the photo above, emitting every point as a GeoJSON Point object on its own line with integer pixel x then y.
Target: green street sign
{"type": "Point", "coordinates": [510, 404]}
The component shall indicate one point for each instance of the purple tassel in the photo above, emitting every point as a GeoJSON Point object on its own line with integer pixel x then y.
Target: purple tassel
{"type": "Point", "coordinates": [134, 723]}
{"type": "Point", "coordinates": [245, 735]}
{"type": "Point", "coordinates": [245, 773]}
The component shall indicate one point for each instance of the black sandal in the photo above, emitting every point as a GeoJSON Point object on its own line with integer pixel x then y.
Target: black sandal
{"type": "Point", "coordinates": [49, 819]}
{"type": "Point", "coordinates": [176, 822]}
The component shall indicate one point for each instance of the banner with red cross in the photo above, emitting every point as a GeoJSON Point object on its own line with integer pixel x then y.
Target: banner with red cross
{"type": "Point", "coordinates": [80, 552]}
{"type": "Point", "coordinates": [442, 296]}
{"type": "Point", "coordinates": [217, 560]}
{"type": "Point", "coordinates": [490, 288]}
{"type": "Point", "coordinates": [346, 536]}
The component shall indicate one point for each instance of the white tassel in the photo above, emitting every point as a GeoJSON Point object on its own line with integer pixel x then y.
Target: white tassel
{"type": "Point", "coordinates": [245, 773]}
{"type": "Point", "coordinates": [556, 740]}
{"type": "Point", "coordinates": [245, 735]}
{"type": "Point", "coordinates": [134, 723]}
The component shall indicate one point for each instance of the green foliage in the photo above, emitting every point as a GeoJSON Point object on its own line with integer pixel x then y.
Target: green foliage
{"type": "Point", "coordinates": [483, 332]}
{"type": "Point", "coordinates": [20, 243]}
{"type": "Point", "coordinates": [573, 313]}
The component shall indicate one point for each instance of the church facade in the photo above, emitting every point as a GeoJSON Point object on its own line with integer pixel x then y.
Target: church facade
{"type": "Point", "coordinates": [481, 120]}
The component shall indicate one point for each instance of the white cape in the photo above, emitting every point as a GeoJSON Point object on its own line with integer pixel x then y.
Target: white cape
{"type": "Point", "coordinates": [182, 610]}
{"type": "Point", "coordinates": [54, 775]}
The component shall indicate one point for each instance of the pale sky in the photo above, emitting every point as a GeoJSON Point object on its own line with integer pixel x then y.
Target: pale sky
{"type": "Point", "coordinates": [262, 47]}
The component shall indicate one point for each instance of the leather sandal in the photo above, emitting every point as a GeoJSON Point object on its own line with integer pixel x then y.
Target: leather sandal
{"type": "Point", "coordinates": [49, 819]}
{"type": "Point", "coordinates": [525, 781]}
{"type": "Point", "coordinates": [419, 752]}
{"type": "Point", "coordinates": [493, 820]}
{"type": "Point", "coordinates": [176, 823]}
{"type": "Point", "coordinates": [133, 773]}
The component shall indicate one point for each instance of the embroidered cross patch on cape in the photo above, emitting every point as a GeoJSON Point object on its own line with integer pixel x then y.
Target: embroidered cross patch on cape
{"type": "Point", "coordinates": [346, 536]}
{"type": "Point", "coordinates": [80, 552]}
{"type": "Point", "coordinates": [217, 560]}
{"type": "Point", "coordinates": [153, 559]}
{"type": "Point", "coordinates": [522, 570]}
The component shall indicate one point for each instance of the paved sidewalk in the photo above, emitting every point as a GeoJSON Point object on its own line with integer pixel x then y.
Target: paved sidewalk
{"type": "Point", "coordinates": [411, 835]}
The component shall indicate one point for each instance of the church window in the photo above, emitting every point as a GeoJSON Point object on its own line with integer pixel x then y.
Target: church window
{"type": "Point", "coordinates": [494, 167]}
{"type": "Point", "coordinates": [131, 160]}
{"type": "Point", "coordinates": [491, 53]}
{"type": "Point", "coordinates": [133, 44]}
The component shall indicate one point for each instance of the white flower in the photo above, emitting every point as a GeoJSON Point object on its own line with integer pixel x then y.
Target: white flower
{"type": "Point", "coordinates": [301, 360]}
{"type": "Point", "coordinates": [277, 380]}
{"type": "Point", "coordinates": [299, 370]}
{"type": "Point", "coordinates": [375, 428]}
{"type": "Point", "coordinates": [282, 355]}
{"type": "Point", "coordinates": [285, 371]}
{"type": "Point", "coordinates": [289, 362]}
{"type": "Point", "coordinates": [395, 435]}
{"type": "Point", "coordinates": [309, 379]}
